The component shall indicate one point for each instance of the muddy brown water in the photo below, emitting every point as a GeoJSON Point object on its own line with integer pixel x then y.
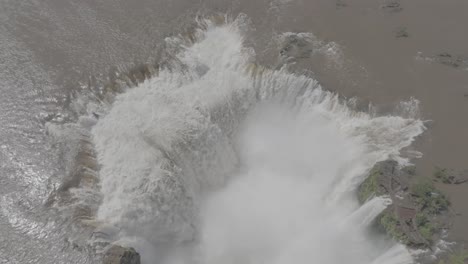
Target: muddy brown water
{"type": "Point", "coordinates": [389, 53]}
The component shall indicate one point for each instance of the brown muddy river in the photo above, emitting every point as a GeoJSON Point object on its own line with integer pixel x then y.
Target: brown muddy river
{"type": "Point", "coordinates": [221, 131]}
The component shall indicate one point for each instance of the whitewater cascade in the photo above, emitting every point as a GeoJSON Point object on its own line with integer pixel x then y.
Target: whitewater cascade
{"type": "Point", "coordinates": [219, 160]}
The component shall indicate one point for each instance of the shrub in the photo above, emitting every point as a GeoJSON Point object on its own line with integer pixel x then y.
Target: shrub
{"type": "Point", "coordinates": [429, 199]}
{"type": "Point", "coordinates": [369, 187]}
{"type": "Point", "coordinates": [425, 227]}
{"type": "Point", "coordinates": [390, 224]}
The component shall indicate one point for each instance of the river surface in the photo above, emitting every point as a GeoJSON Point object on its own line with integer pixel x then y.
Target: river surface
{"type": "Point", "coordinates": [191, 130]}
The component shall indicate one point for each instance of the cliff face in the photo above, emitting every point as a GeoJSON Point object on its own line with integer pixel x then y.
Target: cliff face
{"type": "Point", "coordinates": [418, 213]}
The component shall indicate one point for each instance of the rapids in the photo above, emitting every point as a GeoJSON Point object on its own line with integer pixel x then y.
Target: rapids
{"type": "Point", "coordinates": [219, 160]}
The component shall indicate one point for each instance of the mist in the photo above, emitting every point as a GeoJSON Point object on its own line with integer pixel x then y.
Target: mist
{"type": "Point", "coordinates": [226, 162]}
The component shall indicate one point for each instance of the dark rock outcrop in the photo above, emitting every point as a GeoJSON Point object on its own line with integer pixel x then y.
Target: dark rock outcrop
{"type": "Point", "coordinates": [450, 176]}
{"type": "Point", "coordinates": [392, 6]}
{"type": "Point", "coordinates": [418, 212]}
{"type": "Point", "coordinates": [340, 4]}
{"type": "Point", "coordinates": [121, 255]}
{"type": "Point", "coordinates": [450, 60]}
{"type": "Point", "coordinates": [447, 59]}
{"type": "Point", "coordinates": [299, 46]}
{"type": "Point", "coordinates": [401, 32]}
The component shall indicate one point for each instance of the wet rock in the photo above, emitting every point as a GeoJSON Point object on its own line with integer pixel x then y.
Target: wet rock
{"type": "Point", "coordinates": [418, 211]}
{"type": "Point", "coordinates": [392, 6]}
{"type": "Point", "coordinates": [306, 47]}
{"type": "Point", "coordinates": [446, 59]}
{"type": "Point", "coordinates": [450, 60]}
{"type": "Point", "coordinates": [341, 4]}
{"type": "Point", "coordinates": [298, 45]}
{"type": "Point", "coordinates": [401, 33]}
{"type": "Point", "coordinates": [139, 73]}
{"type": "Point", "coordinates": [450, 176]}
{"type": "Point", "coordinates": [121, 255]}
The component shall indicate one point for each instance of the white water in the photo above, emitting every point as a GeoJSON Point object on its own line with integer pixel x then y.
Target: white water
{"type": "Point", "coordinates": [227, 162]}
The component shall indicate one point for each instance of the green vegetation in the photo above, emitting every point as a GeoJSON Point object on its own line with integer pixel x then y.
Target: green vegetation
{"type": "Point", "coordinates": [431, 202]}
{"type": "Point", "coordinates": [369, 187]}
{"type": "Point", "coordinates": [425, 227]}
{"type": "Point", "coordinates": [390, 224]}
{"type": "Point", "coordinates": [456, 258]}
{"type": "Point", "coordinates": [429, 199]}
{"type": "Point", "coordinates": [441, 174]}
{"type": "Point", "coordinates": [427, 231]}
{"type": "Point", "coordinates": [414, 219]}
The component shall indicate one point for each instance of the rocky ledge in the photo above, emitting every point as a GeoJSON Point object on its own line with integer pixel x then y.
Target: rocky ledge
{"type": "Point", "coordinates": [121, 255]}
{"type": "Point", "coordinates": [450, 176]}
{"type": "Point", "coordinates": [419, 212]}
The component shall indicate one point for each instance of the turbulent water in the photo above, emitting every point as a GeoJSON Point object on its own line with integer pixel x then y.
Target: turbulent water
{"type": "Point", "coordinates": [217, 159]}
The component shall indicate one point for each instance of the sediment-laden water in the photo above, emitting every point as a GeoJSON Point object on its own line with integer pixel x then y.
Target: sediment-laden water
{"type": "Point", "coordinates": [206, 157]}
{"type": "Point", "coordinates": [242, 164]}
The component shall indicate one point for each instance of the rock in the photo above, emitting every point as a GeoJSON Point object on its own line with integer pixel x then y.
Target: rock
{"type": "Point", "coordinates": [121, 255]}
{"type": "Point", "coordinates": [299, 45]}
{"type": "Point", "coordinates": [401, 33]}
{"type": "Point", "coordinates": [450, 176]}
{"type": "Point", "coordinates": [392, 6]}
{"type": "Point", "coordinates": [340, 4]}
{"type": "Point", "coordinates": [450, 60]}
{"type": "Point", "coordinates": [447, 59]}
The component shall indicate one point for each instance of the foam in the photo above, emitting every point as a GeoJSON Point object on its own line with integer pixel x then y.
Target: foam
{"type": "Point", "coordinates": [246, 164]}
